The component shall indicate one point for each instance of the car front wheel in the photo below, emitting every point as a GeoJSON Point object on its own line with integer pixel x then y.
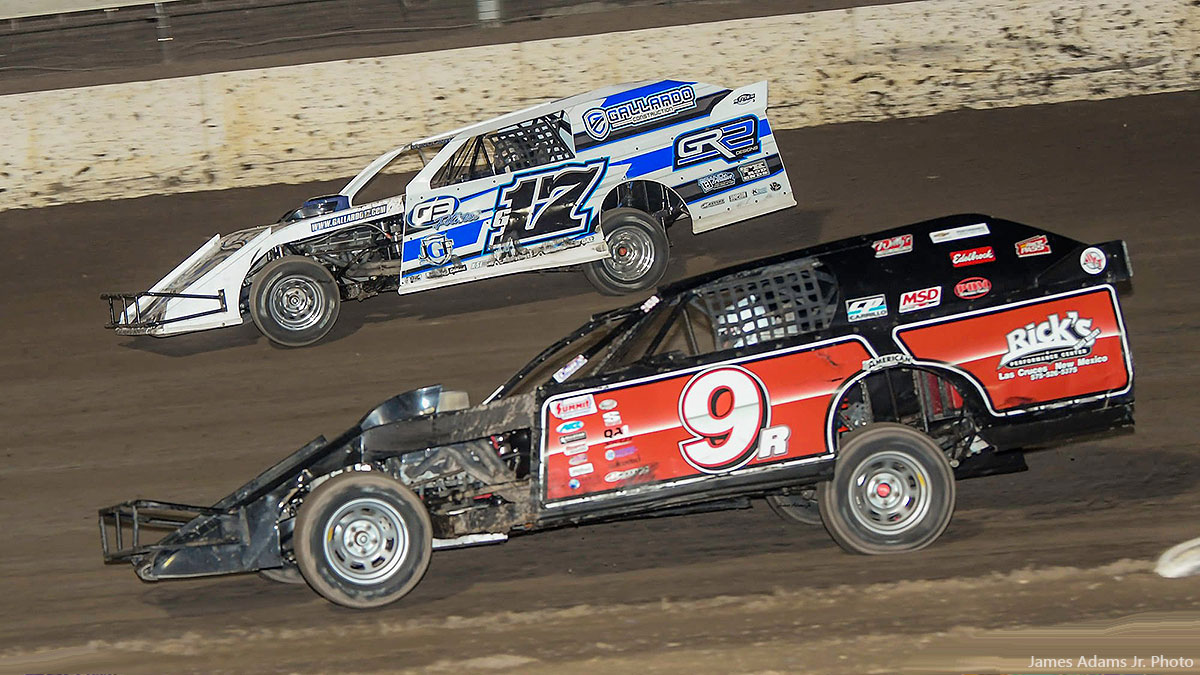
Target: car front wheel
{"type": "Point", "coordinates": [638, 252]}
{"type": "Point", "coordinates": [294, 301]}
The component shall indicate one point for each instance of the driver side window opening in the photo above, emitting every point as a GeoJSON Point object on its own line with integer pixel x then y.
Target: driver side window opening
{"type": "Point", "coordinates": [524, 145]}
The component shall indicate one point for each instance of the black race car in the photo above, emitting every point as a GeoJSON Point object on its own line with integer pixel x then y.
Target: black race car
{"type": "Point", "coordinates": [850, 384]}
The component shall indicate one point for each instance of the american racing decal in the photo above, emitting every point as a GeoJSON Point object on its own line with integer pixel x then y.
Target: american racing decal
{"type": "Point", "coordinates": [956, 233]}
{"type": "Point", "coordinates": [729, 141]}
{"type": "Point", "coordinates": [704, 421]}
{"type": "Point", "coordinates": [351, 217]}
{"type": "Point", "coordinates": [972, 287]}
{"type": "Point", "coordinates": [973, 256]}
{"type": "Point", "coordinates": [1039, 245]}
{"type": "Point", "coordinates": [861, 309]}
{"type": "Point", "coordinates": [545, 203]}
{"type": "Point", "coordinates": [600, 122]}
{"type": "Point", "coordinates": [922, 299]}
{"type": "Point", "coordinates": [1093, 260]}
{"type": "Point", "coordinates": [1025, 355]}
{"type": "Point", "coordinates": [901, 243]}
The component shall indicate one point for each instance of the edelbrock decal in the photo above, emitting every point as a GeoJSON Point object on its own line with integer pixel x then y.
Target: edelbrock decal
{"type": "Point", "coordinates": [973, 256]}
{"type": "Point", "coordinates": [870, 307]}
{"type": "Point", "coordinates": [955, 233]}
{"type": "Point", "coordinates": [925, 298]}
{"type": "Point", "coordinates": [600, 122]}
{"type": "Point", "coordinates": [1056, 338]}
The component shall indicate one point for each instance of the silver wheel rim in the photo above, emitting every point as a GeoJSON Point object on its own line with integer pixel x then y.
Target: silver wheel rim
{"type": "Point", "coordinates": [889, 493]}
{"type": "Point", "coordinates": [631, 254]}
{"type": "Point", "coordinates": [296, 302]}
{"type": "Point", "coordinates": [365, 541]}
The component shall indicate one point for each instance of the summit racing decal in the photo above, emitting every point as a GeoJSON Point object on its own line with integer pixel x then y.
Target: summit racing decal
{"type": "Point", "coordinates": [576, 406]}
{"type": "Point", "coordinates": [729, 141]}
{"type": "Point", "coordinates": [901, 243]}
{"type": "Point", "coordinates": [600, 122]}
{"type": "Point", "coordinates": [351, 217]}
{"type": "Point", "coordinates": [973, 256]}
{"type": "Point", "coordinates": [1055, 339]}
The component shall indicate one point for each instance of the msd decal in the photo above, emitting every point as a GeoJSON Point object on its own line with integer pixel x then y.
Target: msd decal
{"type": "Point", "coordinates": [922, 299]}
{"type": "Point", "coordinates": [902, 243]}
{"type": "Point", "coordinates": [1039, 245]}
{"type": "Point", "coordinates": [728, 141]}
{"type": "Point", "coordinates": [1055, 339]}
{"type": "Point", "coordinates": [600, 122]}
{"type": "Point", "coordinates": [973, 256]}
{"type": "Point", "coordinates": [576, 406]}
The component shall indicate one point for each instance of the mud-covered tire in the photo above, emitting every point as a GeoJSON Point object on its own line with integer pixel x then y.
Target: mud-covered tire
{"type": "Point", "coordinates": [638, 253]}
{"type": "Point", "coordinates": [797, 509]}
{"type": "Point", "coordinates": [892, 491]}
{"type": "Point", "coordinates": [294, 301]}
{"type": "Point", "coordinates": [362, 539]}
{"type": "Point", "coordinates": [288, 574]}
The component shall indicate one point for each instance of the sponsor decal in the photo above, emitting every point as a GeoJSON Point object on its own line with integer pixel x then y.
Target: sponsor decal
{"type": "Point", "coordinates": [650, 303]}
{"type": "Point", "coordinates": [885, 361]}
{"type": "Point", "coordinates": [618, 432]}
{"type": "Point", "coordinates": [432, 211]}
{"type": "Point", "coordinates": [901, 243]}
{"type": "Point", "coordinates": [575, 449]}
{"type": "Point", "coordinates": [775, 186]}
{"type": "Point", "coordinates": [627, 474]}
{"type": "Point", "coordinates": [973, 256]}
{"type": "Point", "coordinates": [580, 470]}
{"type": "Point", "coordinates": [758, 191]}
{"type": "Point", "coordinates": [727, 411]}
{"type": "Point", "coordinates": [713, 202]}
{"type": "Point", "coordinates": [570, 369]}
{"type": "Point", "coordinates": [955, 233]}
{"type": "Point", "coordinates": [972, 287]}
{"type": "Point", "coordinates": [600, 122]}
{"type": "Point", "coordinates": [615, 453]}
{"type": "Point", "coordinates": [608, 403]}
{"type": "Point", "coordinates": [543, 204]}
{"type": "Point", "coordinates": [571, 438]}
{"type": "Point", "coordinates": [1056, 338]}
{"type": "Point", "coordinates": [446, 271]}
{"type": "Point", "coordinates": [754, 170]}
{"type": "Point", "coordinates": [436, 249]}
{"type": "Point", "coordinates": [612, 418]}
{"type": "Point", "coordinates": [1039, 245]}
{"type": "Point", "coordinates": [573, 484]}
{"type": "Point", "coordinates": [745, 98]}
{"type": "Point", "coordinates": [870, 307]}
{"type": "Point", "coordinates": [729, 141]}
{"type": "Point", "coordinates": [568, 427]}
{"type": "Point", "coordinates": [716, 181]}
{"type": "Point", "coordinates": [925, 298]}
{"type": "Point", "coordinates": [576, 406]}
{"type": "Point", "coordinates": [349, 218]}
{"type": "Point", "coordinates": [737, 195]}
{"type": "Point", "coordinates": [1093, 260]}
{"type": "Point", "coordinates": [577, 460]}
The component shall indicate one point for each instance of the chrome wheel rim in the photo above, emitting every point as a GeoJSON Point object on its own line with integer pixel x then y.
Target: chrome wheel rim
{"type": "Point", "coordinates": [296, 302]}
{"type": "Point", "coordinates": [366, 541]}
{"type": "Point", "coordinates": [631, 254]}
{"type": "Point", "coordinates": [889, 493]}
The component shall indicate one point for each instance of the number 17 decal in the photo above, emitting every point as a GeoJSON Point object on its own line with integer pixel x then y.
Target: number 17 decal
{"type": "Point", "coordinates": [728, 412]}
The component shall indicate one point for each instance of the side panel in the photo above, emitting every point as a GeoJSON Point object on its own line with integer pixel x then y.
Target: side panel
{"type": "Point", "coordinates": [733, 417]}
{"type": "Point", "coordinates": [1056, 349]}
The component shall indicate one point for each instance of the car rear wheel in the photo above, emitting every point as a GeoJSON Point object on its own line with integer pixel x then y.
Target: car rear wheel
{"type": "Point", "coordinates": [892, 491]}
{"type": "Point", "coordinates": [638, 253]}
{"type": "Point", "coordinates": [362, 540]}
{"type": "Point", "coordinates": [294, 301]}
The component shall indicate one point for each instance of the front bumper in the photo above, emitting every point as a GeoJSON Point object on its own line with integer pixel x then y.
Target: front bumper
{"type": "Point", "coordinates": [145, 313]}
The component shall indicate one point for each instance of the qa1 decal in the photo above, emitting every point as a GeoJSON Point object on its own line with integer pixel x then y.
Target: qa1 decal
{"type": "Point", "coordinates": [728, 413]}
{"type": "Point", "coordinates": [545, 203]}
{"type": "Point", "coordinates": [729, 141]}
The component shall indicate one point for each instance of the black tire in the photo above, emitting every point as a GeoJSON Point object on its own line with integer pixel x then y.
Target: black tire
{"type": "Point", "coordinates": [796, 508]}
{"type": "Point", "coordinates": [294, 301]}
{"type": "Point", "coordinates": [919, 497]}
{"type": "Point", "coordinates": [391, 543]}
{"type": "Point", "coordinates": [639, 253]}
{"type": "Point", "coordinates": [288, 574]}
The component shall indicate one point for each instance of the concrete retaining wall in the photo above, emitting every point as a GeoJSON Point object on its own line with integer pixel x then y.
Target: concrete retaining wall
{"type": "Point", "coordinates": [301, 123]}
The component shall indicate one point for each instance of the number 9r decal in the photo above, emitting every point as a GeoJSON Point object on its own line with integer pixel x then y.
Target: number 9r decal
{"type": "Point", "coordinates": [725, 409]}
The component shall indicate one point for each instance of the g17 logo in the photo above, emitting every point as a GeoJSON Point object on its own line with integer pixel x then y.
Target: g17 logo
{"type": "Point", "coordinates": [546, 203]}
{"type": "Point", "coordinates": [728, 413]}
{"type": "Point", "coordinates": [727, 140]}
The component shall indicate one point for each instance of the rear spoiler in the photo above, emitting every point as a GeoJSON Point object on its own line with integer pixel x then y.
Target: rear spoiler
{"type": "Point", "coordinates": [1116, 269]}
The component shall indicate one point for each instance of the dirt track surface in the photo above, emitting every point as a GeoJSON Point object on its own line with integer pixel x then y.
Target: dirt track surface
{"type": "Point", "coordinates": [1052, 563]}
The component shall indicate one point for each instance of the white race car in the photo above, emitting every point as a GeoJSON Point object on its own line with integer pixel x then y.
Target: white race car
{"type": "Point", "coordinates": [592, 180]}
